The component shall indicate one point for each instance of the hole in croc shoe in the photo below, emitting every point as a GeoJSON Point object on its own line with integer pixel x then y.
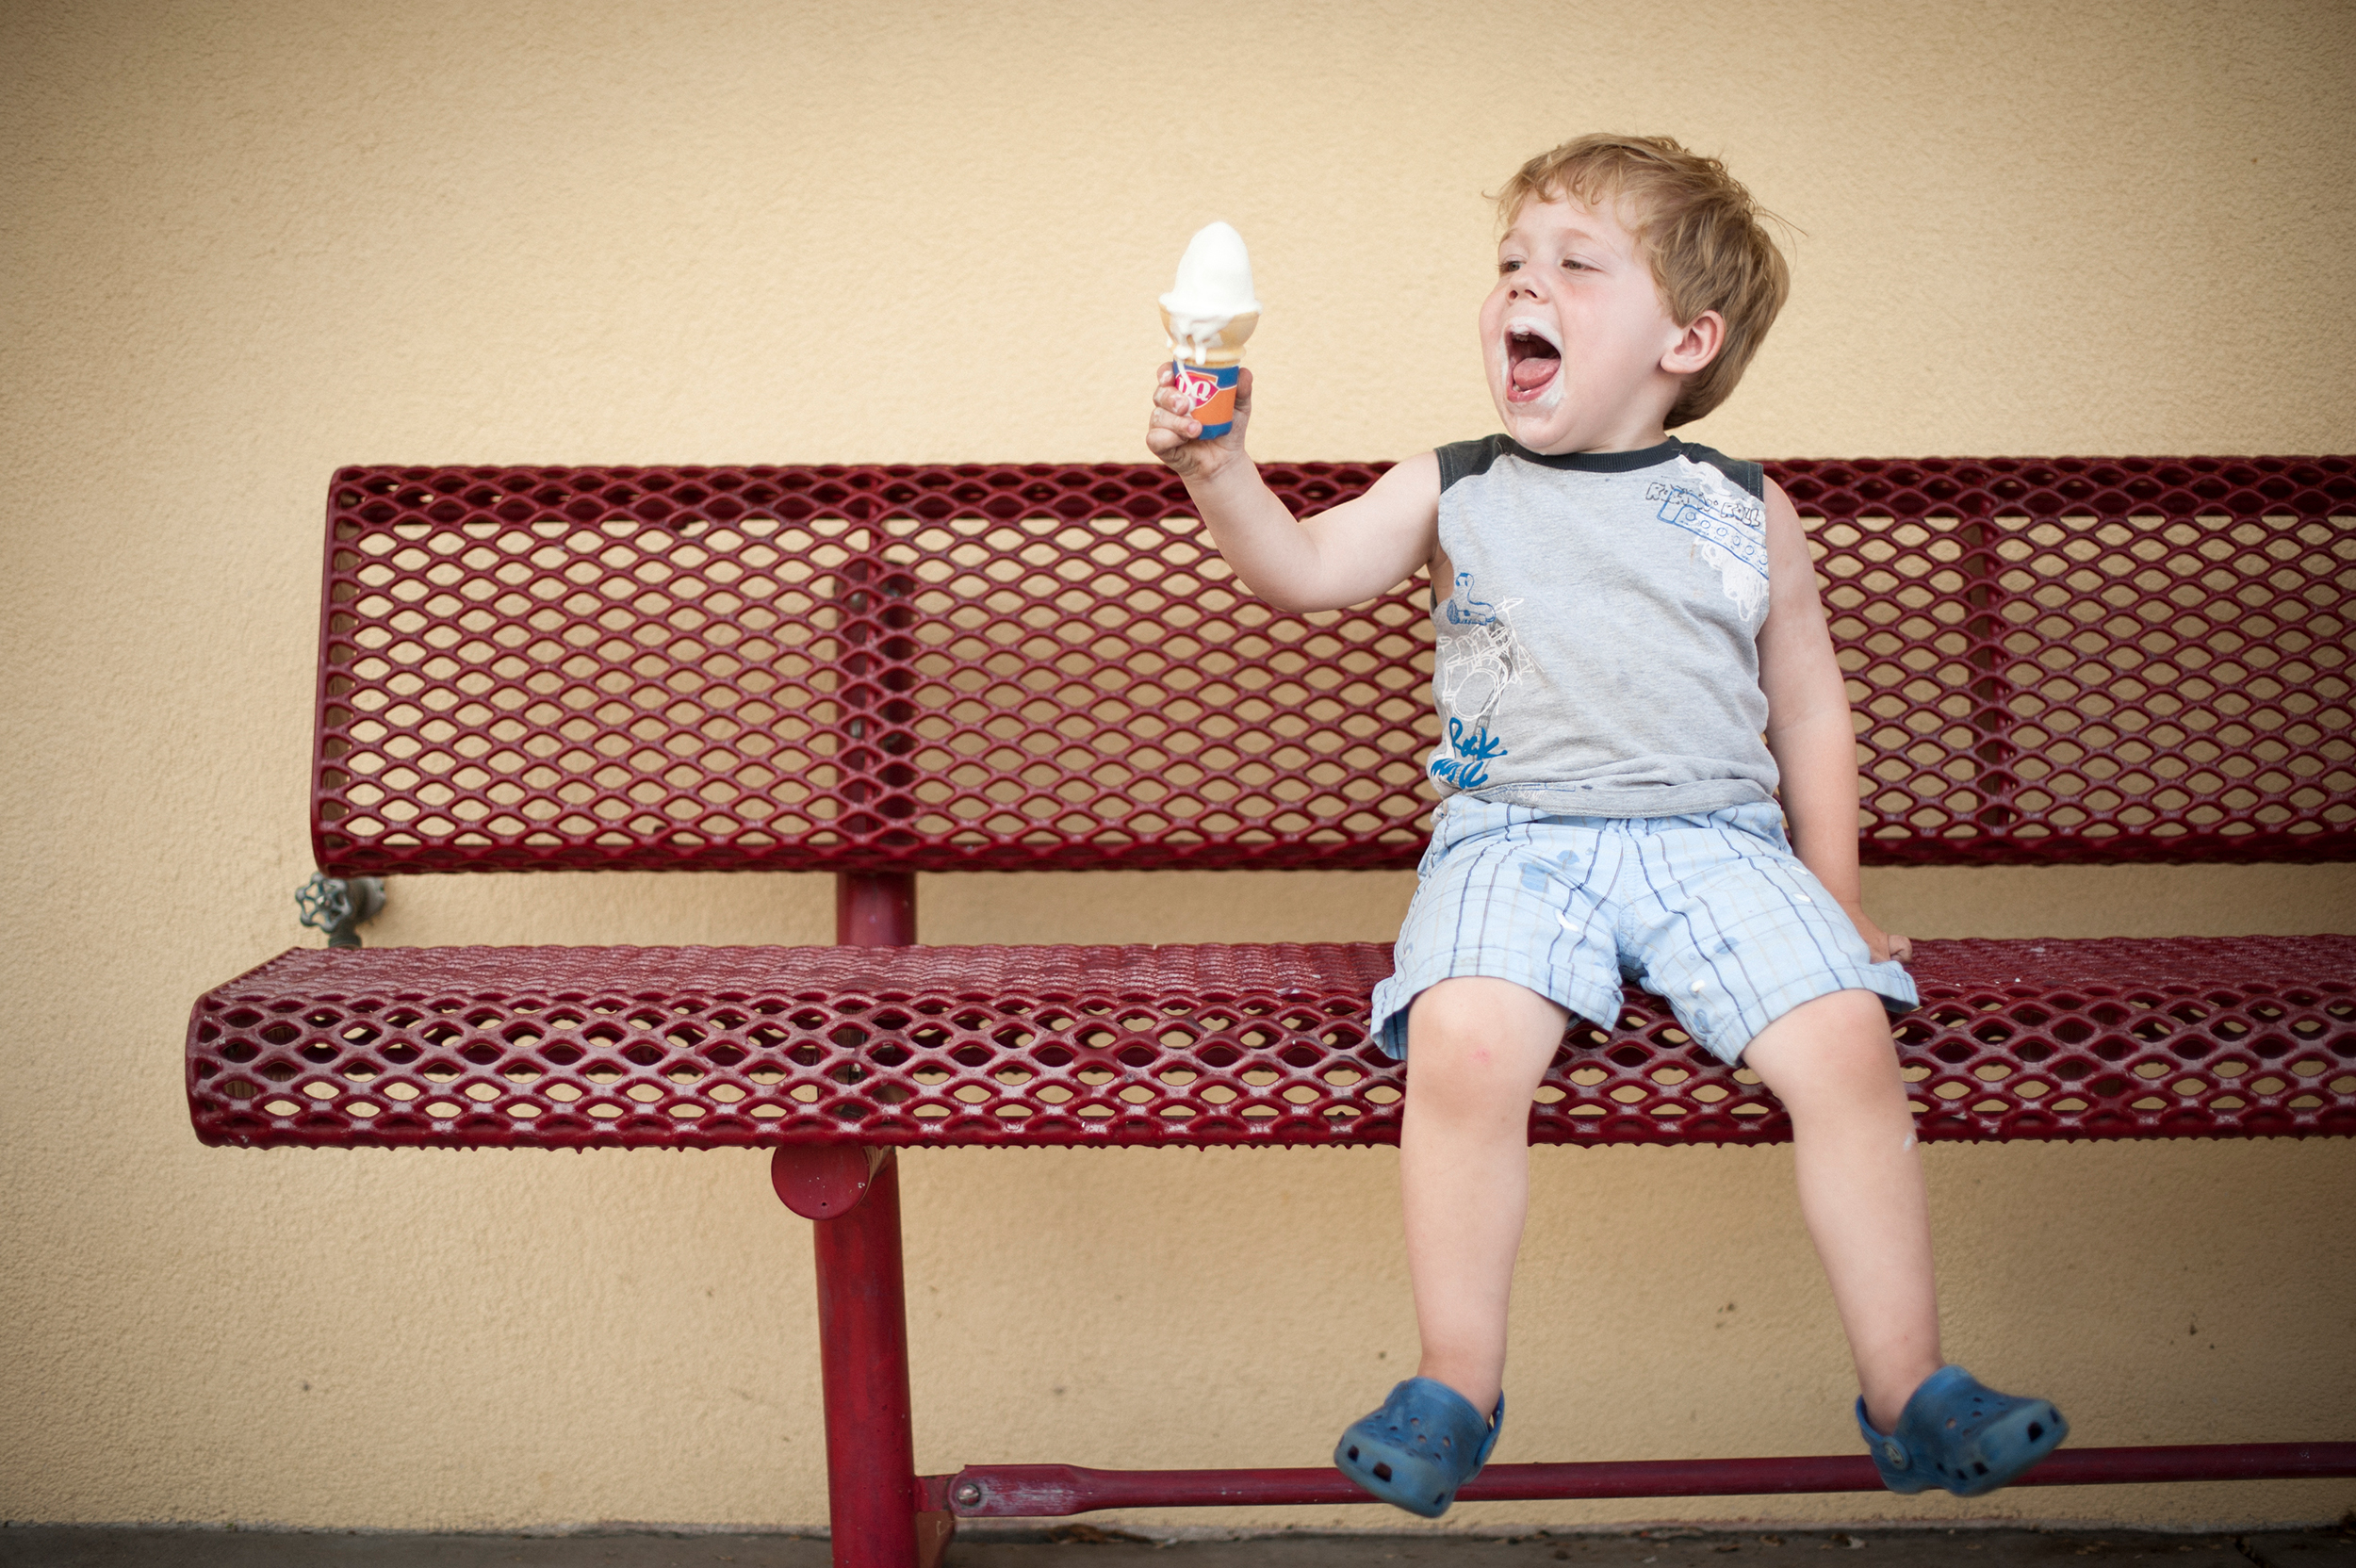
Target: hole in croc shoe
{"type": "Point", "coordinates": [2036, 1430]}
{"type": "Point", "coordinates": [1353, 1453]}
{"type": "Point", "coordinates": [1382, 1471]}
{"type": "Point", "coordinates": [1978, 1469]}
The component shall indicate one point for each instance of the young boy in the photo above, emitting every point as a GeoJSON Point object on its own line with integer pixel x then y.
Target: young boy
{"type": "Point", "coordinates": [1638, 694]}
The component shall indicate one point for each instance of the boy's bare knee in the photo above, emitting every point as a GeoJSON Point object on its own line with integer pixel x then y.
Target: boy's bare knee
{"type": "Point", "coordinates": [1474, 1010]}
{"type": "Point", "coordinates": [1838, 1042]}
{"type": "Point", "coordinates": [1473, 1040]}
{"type": "Point", "coordinates": [1451, 1013]}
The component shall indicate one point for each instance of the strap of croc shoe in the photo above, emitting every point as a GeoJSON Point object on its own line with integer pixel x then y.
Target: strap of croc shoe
{"type": "Point", "coordinates": [1890, 1453]}
{"type": "Point", "coordinates": [1497, 1425]}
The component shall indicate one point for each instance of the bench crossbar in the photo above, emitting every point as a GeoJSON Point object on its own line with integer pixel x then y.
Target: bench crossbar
{"type": "Point", "coordinates": [1054, 1491]}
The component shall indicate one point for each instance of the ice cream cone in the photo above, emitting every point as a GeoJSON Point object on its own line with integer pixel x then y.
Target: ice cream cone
{"type": "Point", "coordinates": [1209, 315]}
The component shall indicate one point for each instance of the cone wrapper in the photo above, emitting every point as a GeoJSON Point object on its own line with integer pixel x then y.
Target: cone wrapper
{"type": "Point", "coordinates": [1210, 394]}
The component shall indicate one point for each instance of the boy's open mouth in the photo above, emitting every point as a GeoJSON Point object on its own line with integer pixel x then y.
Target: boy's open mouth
{"type": "Point", "coordinates": [1531, 363]}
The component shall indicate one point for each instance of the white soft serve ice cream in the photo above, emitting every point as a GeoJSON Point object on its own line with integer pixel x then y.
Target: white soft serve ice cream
{"type": "Point", "coordinates": [1211, 309]}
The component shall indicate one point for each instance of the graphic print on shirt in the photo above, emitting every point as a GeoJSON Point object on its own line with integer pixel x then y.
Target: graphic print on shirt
{"type": "Point", "coordinates": [1477, 659]}
{"type": "Point", "coordinates": [1478, 655]}
{"type": "Point", "coordinates": [1729, 529]}
{"type": "Point", "coordinates": [1470, 752]}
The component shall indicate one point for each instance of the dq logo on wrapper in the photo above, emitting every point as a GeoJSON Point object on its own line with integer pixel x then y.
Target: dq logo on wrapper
{"type": "Point", "coordinates": [1210, 397]}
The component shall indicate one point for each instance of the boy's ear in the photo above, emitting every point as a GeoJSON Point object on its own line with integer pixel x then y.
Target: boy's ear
{"type": "Point", "coordinates": [1697, 345]}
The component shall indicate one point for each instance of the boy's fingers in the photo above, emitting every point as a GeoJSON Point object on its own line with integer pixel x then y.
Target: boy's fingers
{"type": "Point", "coordinates": [1172, 428]}
{"type": "Point", "coordinates": [1169, 434]}
{"type": "Point", "coordinates": [1171, 407]}
{"type": "Point", "coordinates": [1166, 417]}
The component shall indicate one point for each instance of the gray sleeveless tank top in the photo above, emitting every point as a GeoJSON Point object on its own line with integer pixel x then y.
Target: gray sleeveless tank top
{"type": "Point", "coordinates": [1596, 654]}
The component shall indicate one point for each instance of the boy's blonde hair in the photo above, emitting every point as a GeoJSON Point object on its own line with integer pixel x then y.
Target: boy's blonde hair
{"type": "Point", "coordinates": [1695, 224]}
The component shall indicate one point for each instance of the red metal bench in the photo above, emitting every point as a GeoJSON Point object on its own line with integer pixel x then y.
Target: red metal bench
{"type": "Point", "coordinates": [878, 671]}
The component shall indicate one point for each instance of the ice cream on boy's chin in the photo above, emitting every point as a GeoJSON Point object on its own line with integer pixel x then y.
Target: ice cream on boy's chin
{"type": "Point", "coordinates": [1211, 311]}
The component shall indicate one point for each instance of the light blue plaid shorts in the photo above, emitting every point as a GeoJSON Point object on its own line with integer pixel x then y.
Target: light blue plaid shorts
{"type": "Point", "coordinates": [1713, 913]}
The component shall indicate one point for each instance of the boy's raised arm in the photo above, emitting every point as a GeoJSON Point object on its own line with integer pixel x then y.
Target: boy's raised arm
{"type": "Point", "coordinates": [1343, 556]}
{"type": "Point", "coordinates": [1810, 730]}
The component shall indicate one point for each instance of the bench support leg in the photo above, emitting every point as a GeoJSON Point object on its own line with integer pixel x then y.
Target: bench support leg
{"type": "Point", "coordinates": [863, 1352]}
{"type": "Point", "coordinates": [874, 909]}
{"type": "Point", "coordinates": [851, 1196]}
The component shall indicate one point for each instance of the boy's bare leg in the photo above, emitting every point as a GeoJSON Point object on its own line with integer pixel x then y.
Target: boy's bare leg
{"type": "Point", "coordinates": [1477, 1051]}
{"type": "Point", "coordinates": [1831, 1063]}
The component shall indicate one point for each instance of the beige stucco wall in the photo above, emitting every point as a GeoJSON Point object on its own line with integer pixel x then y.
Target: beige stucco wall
{"type": "Point", "coordinates": [249, 241]}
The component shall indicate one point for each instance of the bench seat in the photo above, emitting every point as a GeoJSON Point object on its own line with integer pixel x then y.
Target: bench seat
{"type": "Point", "coordinates": [725, 1047]}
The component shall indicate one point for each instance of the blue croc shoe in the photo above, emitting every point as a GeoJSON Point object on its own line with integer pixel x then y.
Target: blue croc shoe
{"type": "Point", "coordinates": [1424, 1442]}
{"type": "Point", "coordinates": [1957, 1434]}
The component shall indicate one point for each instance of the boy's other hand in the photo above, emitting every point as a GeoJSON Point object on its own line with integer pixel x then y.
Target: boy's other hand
{"type": "Point", "coordinates": [1880, 943]}
{"type": "Point", "coordinates": [1175, 436]}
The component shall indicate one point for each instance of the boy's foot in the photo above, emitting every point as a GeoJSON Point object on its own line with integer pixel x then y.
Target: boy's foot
{"type": "Point", "coordinates": [1961, 1436]}
{"type": "Point", "coordinates": [1424, 1442]}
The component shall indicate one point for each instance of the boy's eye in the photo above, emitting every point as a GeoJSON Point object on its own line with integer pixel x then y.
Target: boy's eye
{"type": "Point", "coordinates": [1509, 266]}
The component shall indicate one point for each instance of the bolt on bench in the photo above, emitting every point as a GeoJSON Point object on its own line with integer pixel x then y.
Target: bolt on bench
{"type": "Point", "coordinates": [877, 671]}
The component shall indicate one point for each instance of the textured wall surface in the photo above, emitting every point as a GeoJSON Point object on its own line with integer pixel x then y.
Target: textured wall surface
{"type": "Point", "coordinates": [248, 241]}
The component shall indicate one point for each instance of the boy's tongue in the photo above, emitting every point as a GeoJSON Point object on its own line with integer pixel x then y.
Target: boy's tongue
{"type": "Point", "coordinates": [1533, 371]}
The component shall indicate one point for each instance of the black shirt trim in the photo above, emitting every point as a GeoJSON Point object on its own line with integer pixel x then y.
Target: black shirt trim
{"type": "Point", "coordinates": [1462, 460]}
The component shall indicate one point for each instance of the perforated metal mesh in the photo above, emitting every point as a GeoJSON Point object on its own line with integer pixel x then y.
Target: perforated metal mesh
{"type": "Point", "coordinates": [859, 668]}
{"type": "Point", "coordinates": [2087, 659]}
{"type": "Point", "coordinates": [715, 1047]}
{"type": "Point", "coordinates": [1046, 667]}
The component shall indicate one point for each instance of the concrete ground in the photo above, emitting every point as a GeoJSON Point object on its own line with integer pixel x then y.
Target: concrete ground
{"type": "Point", "coordinates": [1092, 1546]}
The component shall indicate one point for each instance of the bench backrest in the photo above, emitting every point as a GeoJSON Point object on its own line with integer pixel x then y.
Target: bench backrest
{"type": "Point", "coordinates": [1047, 667]}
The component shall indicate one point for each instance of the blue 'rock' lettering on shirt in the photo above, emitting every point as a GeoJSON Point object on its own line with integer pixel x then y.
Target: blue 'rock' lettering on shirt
{"type": "Point", "coordinates": [1468, 769]}
{"type": "Point", "coordinates": [1738, 532]}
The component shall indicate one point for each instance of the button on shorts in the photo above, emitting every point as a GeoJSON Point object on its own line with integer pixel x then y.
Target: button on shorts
{"type": "Point", "coordinates": [1712, 912]}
